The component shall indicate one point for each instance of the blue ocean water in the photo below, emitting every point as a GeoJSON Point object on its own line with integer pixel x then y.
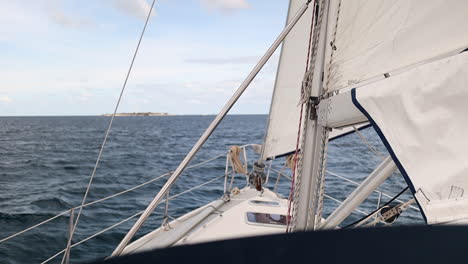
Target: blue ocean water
{"type": "Point", "coordinates": [46, 162]}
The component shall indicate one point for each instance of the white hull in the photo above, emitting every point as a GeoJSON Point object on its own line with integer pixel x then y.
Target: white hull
{"type": "Point", "coordinates": [218, 220]}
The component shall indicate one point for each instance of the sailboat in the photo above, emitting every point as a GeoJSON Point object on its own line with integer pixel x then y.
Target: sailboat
{"type": "Point", "coordinates": [396, 66]}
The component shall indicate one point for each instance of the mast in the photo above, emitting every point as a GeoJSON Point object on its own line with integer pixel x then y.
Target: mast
{"type": "Point", "coordinates": [315, 137]}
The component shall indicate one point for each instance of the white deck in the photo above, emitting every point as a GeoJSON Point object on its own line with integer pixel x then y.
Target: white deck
{"type": "Point", "coordinates": [218, 220]}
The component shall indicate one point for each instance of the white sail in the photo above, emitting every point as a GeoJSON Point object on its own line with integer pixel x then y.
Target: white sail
{"type": "Point", "coordinates": [283, 123]}
{"type": "Point", "coordinates": [421, 117]}
{"type": "Point", "coordinates": [373, 38]}
{"type": "Point", "coordinates": [283, 120]}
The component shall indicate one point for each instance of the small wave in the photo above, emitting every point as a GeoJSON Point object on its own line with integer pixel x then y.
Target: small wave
{"type": "Point", "coordinates": [60, 162]}
{"type": "Point", "coordinates": [24, 217]}
{"type": "Point", "coordinates": [70, 167]}
{"type": "Point", "coordinates": [50, 203]}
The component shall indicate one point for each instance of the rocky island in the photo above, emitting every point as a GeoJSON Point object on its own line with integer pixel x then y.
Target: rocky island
{"type": "Point", "coordinates": [139, 114]}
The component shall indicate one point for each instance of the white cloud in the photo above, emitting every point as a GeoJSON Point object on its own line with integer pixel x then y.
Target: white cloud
{"type": "Point", "coordinates": [195, 101]}
{"type": "Point", "coordinates": [84, 95]}
{"type": "Point", "coordinates": [15, 21]}
{"type": "Point", "coordinates": [225, 5]}
{"type": "Point", "coordinates": [135, 8]}
{"type": "Point", "coordinates": [58, 16]}
{"type": "Point", "coordinates": [5, 99]}
{"type": "Point", "coordinates": [204, 73]}
{"type": "Point", "coordinates": [220, 61]}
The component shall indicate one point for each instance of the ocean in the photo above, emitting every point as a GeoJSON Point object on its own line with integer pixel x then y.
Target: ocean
{"type": "Point", "coordinates": [46, 162]}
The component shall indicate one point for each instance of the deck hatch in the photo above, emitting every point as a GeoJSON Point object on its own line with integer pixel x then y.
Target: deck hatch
{"type": "Point", "coordinates": [264, 203]}
{"type": "Point", "coordinates": [266, 219]}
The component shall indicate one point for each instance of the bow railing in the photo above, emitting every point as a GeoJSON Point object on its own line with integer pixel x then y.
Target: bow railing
{"type": "Point", "coordinates": [230, 176]}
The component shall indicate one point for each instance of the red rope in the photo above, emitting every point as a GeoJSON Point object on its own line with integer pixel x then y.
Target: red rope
{"type": "Point", "coordinates": [291, 193]}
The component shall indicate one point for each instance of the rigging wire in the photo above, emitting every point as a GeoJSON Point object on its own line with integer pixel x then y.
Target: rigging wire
{"type": "Point", "coordinates": [131, 217]}
{"type": "Point", "coordinates": [376, 210]}
{"type": "Point", "coordinates": [104, 199]}
{"type": "Point", "coordinates": [85, 196]}
{"type": "Point", "coordinates": [368, 144]}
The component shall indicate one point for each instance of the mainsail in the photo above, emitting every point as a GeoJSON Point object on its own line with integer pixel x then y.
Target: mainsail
{"type": "Point", "coordinates": [374, 38]}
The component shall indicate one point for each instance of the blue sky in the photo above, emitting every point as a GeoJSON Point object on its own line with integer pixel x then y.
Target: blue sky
{"type": "Point", "coordinates": [65, 57]}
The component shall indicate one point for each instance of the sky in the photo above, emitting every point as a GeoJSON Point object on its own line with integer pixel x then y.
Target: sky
{"type": "Point", "coordinates": [70, 57]}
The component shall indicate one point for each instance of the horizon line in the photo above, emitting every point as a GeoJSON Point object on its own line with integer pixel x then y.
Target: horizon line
{"type": "Point", "coordinates": [105, 115]}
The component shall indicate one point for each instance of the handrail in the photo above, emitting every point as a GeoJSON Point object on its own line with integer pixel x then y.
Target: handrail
{"type": "Point", "coordinates": [94, 235]}
{"type": "Point", "coordinates": [340, 202]}
{"type": "Point", "coordinates": [280, 173]}
{"type": "Point", "coordinates": [105, 198]}
{"type": "Point", "coordinates": [352, 182]}
{"type": "Point", "coordinates": [377, 191]}
{"type": "Point", "coordinates": [227, 172]}
{"type": "Point", "coordinates": [33, 227]}
{"type": "Point", "coordinates": [131, 217]}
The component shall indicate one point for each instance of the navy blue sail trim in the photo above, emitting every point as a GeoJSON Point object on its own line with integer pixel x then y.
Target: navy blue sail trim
{"type": "Point", "coordinates": [282, 155]}
{"type": "Point", "coordinates": [388, 146]}
{"type": "Point", "coordinates": [350, 132]}
{"type": "Point", "coordinates": [329, 140]}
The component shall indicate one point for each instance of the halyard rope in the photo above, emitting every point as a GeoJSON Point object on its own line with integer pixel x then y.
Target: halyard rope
{"type": "Point", "coordinates": [109, 127]}
{"type": "Point", "coordinates": [238, 167]}
{"type": "Point", "coordinates": [324, 136]}
{"type": "Point", "coordinates": [290, 162]}
{"type": "Point", "coordinates": [311, 70]}
{"type": "Point", "coordinates": [293, 192]}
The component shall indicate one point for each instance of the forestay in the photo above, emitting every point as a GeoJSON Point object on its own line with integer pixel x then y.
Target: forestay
{"type": "Point", "coordinates": [421, 117]}
{"type": "Point", "coordinates": [376, 37]}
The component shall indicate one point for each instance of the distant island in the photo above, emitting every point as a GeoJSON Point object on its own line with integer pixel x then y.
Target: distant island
{"type": "Point", "coordinates": [140, 114]}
